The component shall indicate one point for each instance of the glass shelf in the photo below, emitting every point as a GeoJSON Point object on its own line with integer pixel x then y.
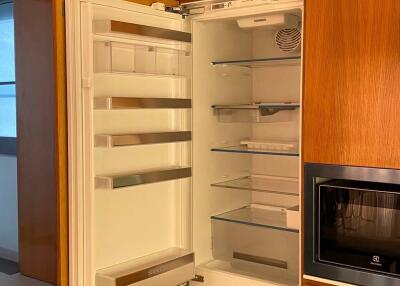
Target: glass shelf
{"type": "Point", "coordinates": [269, 217]}
{"type": "Point", "coordinates": [267, 184]}
{"type": "Point", "coordinates": [257, 112]}
{"type": "Point", "coordinates": [245, 150]}
{"type": "Point", "coordinates": [261, 62]}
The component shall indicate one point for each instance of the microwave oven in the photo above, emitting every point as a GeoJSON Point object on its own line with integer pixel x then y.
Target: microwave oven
{"type": "Point", "coordinates": [352, 224]}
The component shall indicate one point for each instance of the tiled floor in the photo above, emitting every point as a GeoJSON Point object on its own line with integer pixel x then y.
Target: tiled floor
{"type": "Point", "coordinates": [19, 280]}
{"type": "Point", "coordinates": [8, 267]}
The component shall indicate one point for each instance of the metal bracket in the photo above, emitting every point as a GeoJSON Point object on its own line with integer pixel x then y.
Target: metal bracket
{"type": "Point", "coordinates": [266, 110]}
{"type": "Point", "coordinates": [198, 278]}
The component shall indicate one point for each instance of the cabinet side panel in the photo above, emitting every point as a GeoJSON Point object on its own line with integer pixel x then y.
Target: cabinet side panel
{"type": "Point", "coordinates": [37, 139]}
{"type": "Point", "coordinates": [351, 83]}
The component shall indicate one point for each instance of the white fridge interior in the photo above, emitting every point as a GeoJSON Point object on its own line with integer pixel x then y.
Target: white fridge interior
{"type": "Point", "coordinates": [241, 192]}
{"type": "Point", "coordinates": [185, 145]}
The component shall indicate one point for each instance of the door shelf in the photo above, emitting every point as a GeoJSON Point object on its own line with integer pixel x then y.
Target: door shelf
{"type": "Point", "coordinates": [173, 266]}
{"type": "Point", "coordinates": [111, 141]}
{"type": "Point", "coordinates": [140, 59]}
{"type": "Point", "coordinates": [260, 112]}
{"type": "Point", "coordinates": [125, 29]}
{"type": "Point", "coordinates": [114, 182]}
{"type": "Point", "coordinates": [246, 150]}
{"type": "Point", "coordinates": [110, 103]}
{"type": "Point", "coordinates": [259, 63]}
{"type": "Point", "coordinates": [258, 215]}
{"type": "Point", "coordinates": [267, 184]}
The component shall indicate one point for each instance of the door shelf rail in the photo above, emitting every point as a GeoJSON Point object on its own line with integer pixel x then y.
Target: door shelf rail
{"type": "Point", "coordinates": [114, 182]}
{"type": "Point", "coordinates": [125, 29]}
{"type": "Point", "coordinates": [185, 49]}
{"type": "Point", "coordinates": [261, 183]}
{"type": "Point", "coordinates": [119, 140]}
{"type": "Point", "coordinates": [110, 103]}
{"type": "Point", "coordinates": [258, 215]}
{"type": "Point", "coordinates": [178, 262]}
{"type": "Point", "coordinates": [153, 75]}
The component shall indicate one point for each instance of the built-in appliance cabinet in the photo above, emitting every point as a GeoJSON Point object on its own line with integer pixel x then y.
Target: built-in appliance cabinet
{"type": "Point", "coordinates": [185, 144]}
{"type": "Point", "coordinates": [351, 83]}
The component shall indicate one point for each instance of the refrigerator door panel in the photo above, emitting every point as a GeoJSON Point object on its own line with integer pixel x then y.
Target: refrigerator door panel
{"type": "Point", "coordinates": [140, 234]}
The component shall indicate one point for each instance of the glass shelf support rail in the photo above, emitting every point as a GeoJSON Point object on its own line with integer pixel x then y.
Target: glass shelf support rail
{"type": "Point", "coordinates": [260, 62]}
{"type": "Point", "coordinates": [264, 108]}
{"type": "Point", "coordinates": [245, 150]}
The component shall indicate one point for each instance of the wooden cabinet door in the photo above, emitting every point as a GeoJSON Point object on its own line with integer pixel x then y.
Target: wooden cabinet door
{"type": "Point", "coordinates": [351, 113]}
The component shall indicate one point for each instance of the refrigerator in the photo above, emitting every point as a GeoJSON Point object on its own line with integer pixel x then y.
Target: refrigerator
{"type": "Point", "coordinates": [184, 148]}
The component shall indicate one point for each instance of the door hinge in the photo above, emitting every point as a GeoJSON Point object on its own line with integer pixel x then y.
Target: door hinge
{"type": "Point", "coordinates": [178, 10]}
{"type": "Point", "coordinates": [198, 278]}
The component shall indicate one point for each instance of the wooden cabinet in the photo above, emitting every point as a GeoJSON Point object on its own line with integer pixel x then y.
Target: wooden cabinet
{"type": "Point", "coordinates": [42, 140]}
{"type": "Point", "coordinates": [313, 283]}
{"type": "Point", "coordinates": [351, 113]}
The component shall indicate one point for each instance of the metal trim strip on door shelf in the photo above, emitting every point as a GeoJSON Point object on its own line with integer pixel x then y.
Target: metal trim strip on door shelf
{"type": "Point", "coordinates": [145, 177]}
{"type": "Point", "coordinates": [139, 102]}
{"type": "Point", "coordinates": [109, 141]}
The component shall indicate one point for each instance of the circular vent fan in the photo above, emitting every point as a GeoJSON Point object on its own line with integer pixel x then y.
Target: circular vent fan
{"type": "Point", "coordinates": [288, 40]}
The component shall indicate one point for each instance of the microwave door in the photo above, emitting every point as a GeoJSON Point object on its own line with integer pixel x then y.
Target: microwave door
{"type": "Point", "coordinates": [359, 228]}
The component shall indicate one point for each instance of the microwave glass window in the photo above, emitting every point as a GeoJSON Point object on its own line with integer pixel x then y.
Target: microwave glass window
{"type": "Point", "coordinates": [359, 225]}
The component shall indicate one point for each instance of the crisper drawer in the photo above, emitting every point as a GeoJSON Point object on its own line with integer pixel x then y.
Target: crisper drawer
{"type": "Point", "coordinates": [257, 243]}
{"type": "Point", "coordinates": [169, 267]}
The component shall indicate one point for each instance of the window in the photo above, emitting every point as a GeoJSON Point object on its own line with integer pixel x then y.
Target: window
{"type": "Point", "coordinates": [8, 130]}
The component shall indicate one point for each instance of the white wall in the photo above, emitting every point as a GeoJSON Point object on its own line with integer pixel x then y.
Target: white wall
{"type": "Point", "coordinates": [8, 207]}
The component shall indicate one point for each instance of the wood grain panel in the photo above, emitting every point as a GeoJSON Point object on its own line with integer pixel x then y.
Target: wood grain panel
{"type": "Point", "coordinates": [307, 282]}
{"type": "Point", "coordinates": [36, 133]}
{"type": "Point", "coordinates": [42, 190]}
{"type": "Point", "coordinates": [352, 83]}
